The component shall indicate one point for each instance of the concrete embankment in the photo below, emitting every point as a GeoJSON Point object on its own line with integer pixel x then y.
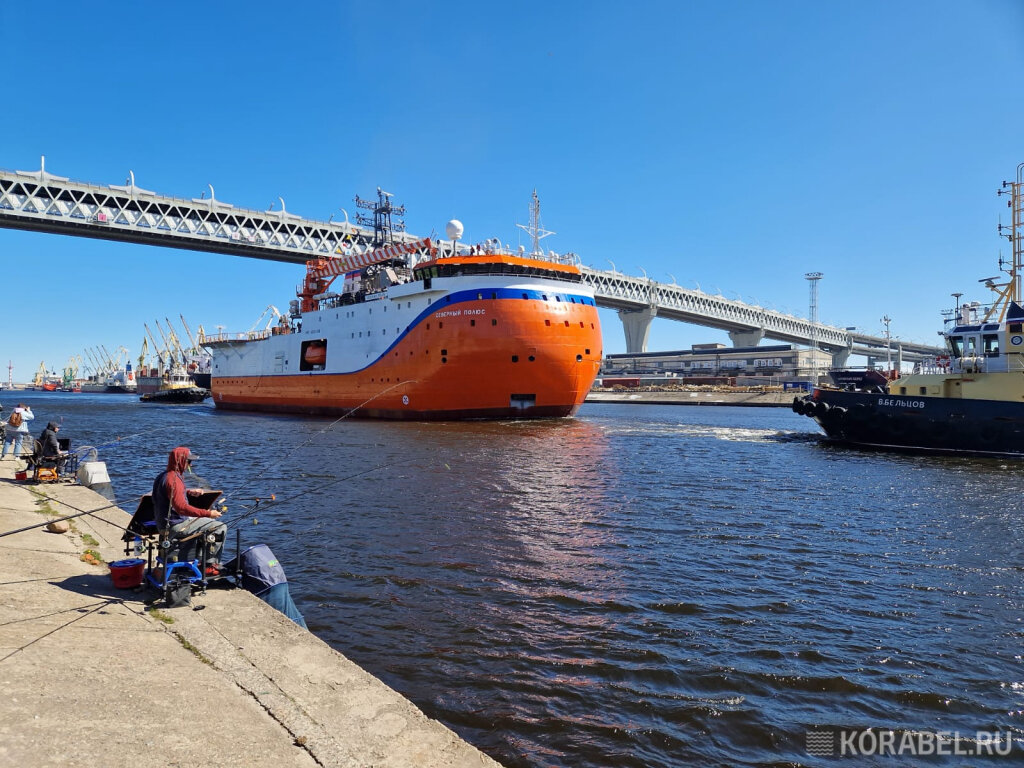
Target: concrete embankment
{"type": "Point", "coordinates": [702, 397]}
{"type": "Point", "coordinates": [89, 675]}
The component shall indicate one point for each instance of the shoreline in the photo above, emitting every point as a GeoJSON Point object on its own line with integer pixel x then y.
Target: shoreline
{"type": "Point", "coordinates": [92, 675]}
{"type": "Point", "coordinates": [743, 399]}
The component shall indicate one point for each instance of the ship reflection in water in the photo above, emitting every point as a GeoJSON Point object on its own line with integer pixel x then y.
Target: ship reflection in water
{"type": "Point", "coordinates": [647, 586]}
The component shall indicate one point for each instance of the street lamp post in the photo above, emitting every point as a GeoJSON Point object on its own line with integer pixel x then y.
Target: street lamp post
{"type": "Point", "coordinates": [888, 344]}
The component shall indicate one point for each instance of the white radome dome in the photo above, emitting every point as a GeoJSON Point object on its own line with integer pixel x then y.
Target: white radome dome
{"type": "Point", "coordinates": [453, 229]}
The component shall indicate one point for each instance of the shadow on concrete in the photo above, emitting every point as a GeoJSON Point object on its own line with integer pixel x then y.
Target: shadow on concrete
{"type": "Point", "coordinates": [100, 585]}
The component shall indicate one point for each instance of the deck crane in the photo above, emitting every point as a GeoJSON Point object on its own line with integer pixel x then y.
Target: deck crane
{"type": "Point", "coordinates": [108, 360]}
{"type": "Point", "coordinates": [161, 361]}
{"type": "Point", "coordinates": [275, 316]}
{"type": "Point", "coordinates": [176, 341]}
{"type": "Point", "coordinates": [94, 365]}
{"type": "Point", "coordinates": [320, 273]}
{"type": "Point", "coordinates": [188, 332]}
{"type": "Point", "coordinates": [174, 351]}
{"type": "Point", "coordinates": [167, 344]}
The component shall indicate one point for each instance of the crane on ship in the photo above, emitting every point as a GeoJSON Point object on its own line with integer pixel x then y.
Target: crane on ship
{"type": "Point", "coordinates": [175, 342]}
{"type": "Point", "coordinates": [275, 316]}
{"type": "Point", "coordinates": [188, 332]}
{"type": "Point", "coordinates": [161, 359]}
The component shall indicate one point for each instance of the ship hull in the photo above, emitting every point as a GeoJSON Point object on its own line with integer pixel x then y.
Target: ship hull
{"type": "Point", "coordinates": [470, 353]}
{"type": "Point", "coordinates": [177, 395]}
{"type": "Point", "coordinates": [918, 423]}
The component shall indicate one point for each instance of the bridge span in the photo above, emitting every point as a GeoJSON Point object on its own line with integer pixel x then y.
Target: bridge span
{"type": "Point", "coordinates": [43, 202]}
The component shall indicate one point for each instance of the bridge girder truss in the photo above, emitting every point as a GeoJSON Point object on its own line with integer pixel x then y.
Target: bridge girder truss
{"type": "Point", "coordinates": [624, 292]}
{"type": "Point", "coordinates": [43, 202]}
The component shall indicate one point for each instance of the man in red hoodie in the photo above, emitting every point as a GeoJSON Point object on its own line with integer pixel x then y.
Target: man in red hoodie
{"type": "Point", "coordinates": [173, 512]}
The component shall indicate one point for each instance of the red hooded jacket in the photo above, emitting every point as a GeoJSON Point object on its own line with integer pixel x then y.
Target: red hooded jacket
{"type": "Point", "coordinates": [170, 503]}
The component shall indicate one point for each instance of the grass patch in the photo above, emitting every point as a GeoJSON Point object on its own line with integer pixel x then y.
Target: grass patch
{"type": "Point", "coordinates": [159, 615]}
{"type": "Point", "coordinates": [89, 541]}
{"type": "Point", "coordinates": [189, 647]}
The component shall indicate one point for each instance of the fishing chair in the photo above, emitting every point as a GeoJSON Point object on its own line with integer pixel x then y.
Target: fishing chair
{"type": "Point", "coordinates": [46, 469]}
{"type": "Point", "coordinates": [176, 566]}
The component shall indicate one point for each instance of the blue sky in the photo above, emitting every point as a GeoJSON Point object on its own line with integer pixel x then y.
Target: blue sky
{"type": "Point", "coordinates": [730, 145]}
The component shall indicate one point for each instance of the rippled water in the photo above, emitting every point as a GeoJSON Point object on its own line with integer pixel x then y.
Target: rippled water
{"type": "Point", "coordinates": [639, 586]}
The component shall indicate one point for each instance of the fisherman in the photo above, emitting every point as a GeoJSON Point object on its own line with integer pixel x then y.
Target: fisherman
{"type": "Point", "coordinates": [175, 515]}
{"type": "Point", "coordinates": [50, 453]}
{"type": "Point", "coordinates": [49, 445]}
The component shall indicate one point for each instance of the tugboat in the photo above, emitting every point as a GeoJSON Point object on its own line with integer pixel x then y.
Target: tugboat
{"type": "Point", "coordinates": [177, 387]}
{"type": "Point", "coordinates": [970, 400]}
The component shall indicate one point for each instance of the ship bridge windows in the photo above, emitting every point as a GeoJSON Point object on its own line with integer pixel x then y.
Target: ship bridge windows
{"type": "Point", "coordinates": [956, 345]}
{"type": "Point", "coordinates": [494, 268]}
{"type": "Point", "coordinates": [990, 343]}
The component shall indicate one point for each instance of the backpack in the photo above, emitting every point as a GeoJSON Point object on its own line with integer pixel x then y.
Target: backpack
{"type": "Point", "coordinates": [15, 420]}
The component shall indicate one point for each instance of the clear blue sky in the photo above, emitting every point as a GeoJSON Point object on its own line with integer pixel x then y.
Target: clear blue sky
{"type": "Point", "coordinates": [732, 145]}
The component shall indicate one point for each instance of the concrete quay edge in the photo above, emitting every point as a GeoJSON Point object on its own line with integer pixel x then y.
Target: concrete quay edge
{"type": "Point", "coordinates": [748, 399]}
{"type": "Point", "coordinates": [88, 675]}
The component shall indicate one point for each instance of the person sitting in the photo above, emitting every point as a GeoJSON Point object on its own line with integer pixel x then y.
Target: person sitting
{"type": "Point", "coordinates": [178, 519]}
{"type": "Point", "coordinates": [49, 454]}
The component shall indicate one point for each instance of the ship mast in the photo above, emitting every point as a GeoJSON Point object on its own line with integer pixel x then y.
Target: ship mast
{"type": "Point", "coordinates": [1009, 292]}
{"type": "Point", "coordinates": [534, 229]}
{"type": "Point", "coordinates": [1016, 229]}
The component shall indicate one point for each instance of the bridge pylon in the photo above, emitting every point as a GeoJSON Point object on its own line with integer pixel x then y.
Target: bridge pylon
{"type": "Point", "coordinates": [637, 325]}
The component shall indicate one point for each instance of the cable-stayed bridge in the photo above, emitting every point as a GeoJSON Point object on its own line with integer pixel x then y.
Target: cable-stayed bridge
{"type": "Point", "coordinates": [43, 202]}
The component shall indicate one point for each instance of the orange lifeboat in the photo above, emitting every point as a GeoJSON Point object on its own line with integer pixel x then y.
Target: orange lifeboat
{"type": "Point", "coordinates": [316, 354]}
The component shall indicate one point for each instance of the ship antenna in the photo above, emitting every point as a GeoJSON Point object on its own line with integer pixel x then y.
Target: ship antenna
{"type": "Point", "coordinates": [1016, 229]}
{"type": "Point", "coordinates": [384, 226]}
{"type": "Point", "coordinates": [534, 228]}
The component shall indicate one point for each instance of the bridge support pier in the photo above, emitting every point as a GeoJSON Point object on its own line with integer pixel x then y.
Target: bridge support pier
{"type": "Point", "coordinates": [637, 325]}
{"type": "Point", "coordinates": [841, 358]}
{"type": "Point", "coordinates": [749, 338]}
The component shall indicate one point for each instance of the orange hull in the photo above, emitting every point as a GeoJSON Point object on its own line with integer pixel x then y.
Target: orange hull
{"type": "Point", "coordinates": [501, 358]}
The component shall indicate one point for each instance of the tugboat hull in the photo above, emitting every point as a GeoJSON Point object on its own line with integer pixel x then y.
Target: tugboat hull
{"type": "Point", "coordinates": [917, 423]}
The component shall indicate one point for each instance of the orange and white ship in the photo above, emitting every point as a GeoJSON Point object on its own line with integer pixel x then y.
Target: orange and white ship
{"type": "Point", "coordinates": [423, 330]}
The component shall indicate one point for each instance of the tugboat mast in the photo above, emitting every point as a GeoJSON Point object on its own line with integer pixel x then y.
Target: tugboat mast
{"type": "Point", "coordinates": [1016, 229]}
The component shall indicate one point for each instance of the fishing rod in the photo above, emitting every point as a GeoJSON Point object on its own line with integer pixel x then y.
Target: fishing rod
{"type": "Point", "coordinates": [78, 513]}
{"type": "Point", "coordinates": [225, 495]}
{"type": "Point", "coordinates": [273, 497]}
{"type": "Point", "coordinates": [319, 433]}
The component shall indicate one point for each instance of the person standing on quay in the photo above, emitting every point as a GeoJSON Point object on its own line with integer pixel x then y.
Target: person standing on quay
{"type": "Point", "coordinates": [17, 428]}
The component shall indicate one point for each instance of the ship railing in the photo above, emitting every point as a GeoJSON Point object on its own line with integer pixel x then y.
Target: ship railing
{"type": "Point", "coordinates": [494, 247]}
{"type": "Point", "coordinates": [223, 338]}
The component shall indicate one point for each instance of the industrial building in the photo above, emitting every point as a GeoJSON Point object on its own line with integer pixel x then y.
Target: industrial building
{"type": "Point", "coordinates": [767, 364]}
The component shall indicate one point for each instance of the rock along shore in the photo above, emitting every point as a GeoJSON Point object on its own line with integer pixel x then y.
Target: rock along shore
{"type": "Point", "coordinates": [89, 675]}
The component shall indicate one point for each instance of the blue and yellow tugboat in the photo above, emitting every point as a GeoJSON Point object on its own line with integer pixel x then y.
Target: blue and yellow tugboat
{"type": "Point", "coordinates": [970, 400]}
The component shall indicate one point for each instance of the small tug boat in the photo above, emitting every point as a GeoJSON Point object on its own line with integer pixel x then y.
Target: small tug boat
{"type": "Point", "coordinates": [970, 400]}
{"type": "Point", "coordinates": [177, 387]}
